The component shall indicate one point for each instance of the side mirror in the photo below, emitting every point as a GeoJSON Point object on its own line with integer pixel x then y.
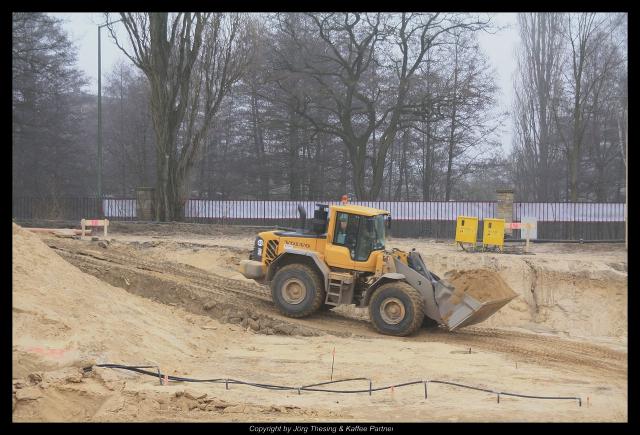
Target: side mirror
{"type": "Point", "coordinates": [388, 222]}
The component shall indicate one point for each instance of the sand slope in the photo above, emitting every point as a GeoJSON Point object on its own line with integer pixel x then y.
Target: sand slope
{"type": "Point", "coordinates": [64, 319]}
{"type": "Point", "coordinates": [85, 318]}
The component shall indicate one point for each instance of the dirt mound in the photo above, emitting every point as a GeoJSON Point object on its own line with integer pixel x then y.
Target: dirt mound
{"type": "Point", "coordinates": [481, 284]}
{"type": "Point", "coordinates": [574, 295]}
{"type": "Point", "coordinates": [142, 272]}
{"type": "Point", "coordinates": [64, 320]}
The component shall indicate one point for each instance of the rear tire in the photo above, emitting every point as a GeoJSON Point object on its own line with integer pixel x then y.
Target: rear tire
{"type": "Point", "coordinates": [297, 290]}
{"type": "Point", "coordinates": [396, 308]}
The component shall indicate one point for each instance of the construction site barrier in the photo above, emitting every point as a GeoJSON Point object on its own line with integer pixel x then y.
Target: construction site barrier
{"type": "Point", "coordinates": [436, 219]}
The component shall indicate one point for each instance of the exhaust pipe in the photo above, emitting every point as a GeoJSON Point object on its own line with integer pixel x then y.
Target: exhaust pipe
{"type": "Point", "coordinates": [303, 216]}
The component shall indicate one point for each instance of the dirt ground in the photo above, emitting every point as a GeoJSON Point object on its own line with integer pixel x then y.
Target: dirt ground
{"type": "Point", "coordinates": [170, 296]}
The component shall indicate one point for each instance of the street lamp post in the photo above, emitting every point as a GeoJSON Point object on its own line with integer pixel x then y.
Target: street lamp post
{"type": "Point", "coordinates": [100, 112]}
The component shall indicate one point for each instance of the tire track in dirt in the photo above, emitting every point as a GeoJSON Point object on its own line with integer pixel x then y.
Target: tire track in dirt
{"type": "Point", "coordinates": [201, 292]}
{"type": "Point", "coordinates": [537, 349]}
{"type": "Point", "coordinates": [184, 271]}
{"type": "Point", "coordinates": [195, 290]}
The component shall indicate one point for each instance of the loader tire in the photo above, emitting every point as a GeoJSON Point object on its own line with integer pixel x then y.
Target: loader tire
{"type": "Point", "coordinates": [297, 290]}
{"type": "Point", "coordinates": [396, 308]}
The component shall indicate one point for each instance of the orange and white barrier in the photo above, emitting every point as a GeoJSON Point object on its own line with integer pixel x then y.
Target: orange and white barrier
{"type": "Point", "coordinates": [94, 223]}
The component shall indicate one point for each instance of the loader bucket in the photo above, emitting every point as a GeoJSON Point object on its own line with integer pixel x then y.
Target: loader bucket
{"type": "Point", "coordinates": [444, 303]}
{"type": "Point", "coordinates": [458, 309]}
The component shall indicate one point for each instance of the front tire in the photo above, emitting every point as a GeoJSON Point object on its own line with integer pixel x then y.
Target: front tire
{"type": "Point", "coordinates": [396, 308]}
{"type": "Point", "coordinates": [297, 290]}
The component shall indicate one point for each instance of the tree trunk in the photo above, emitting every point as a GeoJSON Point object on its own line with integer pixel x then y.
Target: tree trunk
{"type": "Point", "coordinates": [294, 145]}
{"type": "Point", "coordinates": [317, 177]}
{"type": "Point", "coordinates": [390, 175]}
{"type": "Point", "coordinates": [386, 140]}
{"type": "Point", "coordinates": [358, 156]}
{"type": "Point", "coordinates": [576, 145]}
{"type": "Point", "coordinates": [543, 146]}
{"type": "Point", "coordinates": [426, 163]}
{"type": "Point", "coordinates": [162, 199]}
{"type": "Point", "coordinates": [403, 166]}
{"type": "Point", "coordinates": [450, 154]}
{"type": "Point", "coordinates": [343, 172]}
{"type": "Point", "coordinates": [258, 141]}
{"type": "Point", "coordinates": [448, 186]}
{"type": "Point", "coordinates": [359, 178]}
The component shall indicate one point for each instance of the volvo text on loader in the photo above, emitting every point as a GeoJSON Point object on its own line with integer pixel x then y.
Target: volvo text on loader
{"type": "Point", "coordinates": [343, 259]}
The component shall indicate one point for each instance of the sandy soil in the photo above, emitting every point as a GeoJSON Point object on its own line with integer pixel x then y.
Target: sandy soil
{"type": "Point", "coordinates": [484, 285]}
{"type": "Point", "coordinates": [177, 302]}
{"type": "Point", "coordinates": [569, 290]}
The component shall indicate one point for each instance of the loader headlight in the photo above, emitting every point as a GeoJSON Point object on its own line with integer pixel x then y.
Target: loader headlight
{"type": "Point", "coordinates": [256, 254]}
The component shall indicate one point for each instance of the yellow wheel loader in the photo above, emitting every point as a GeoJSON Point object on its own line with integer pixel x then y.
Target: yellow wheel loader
{"type": "Point", "coordinates": [342, 259]}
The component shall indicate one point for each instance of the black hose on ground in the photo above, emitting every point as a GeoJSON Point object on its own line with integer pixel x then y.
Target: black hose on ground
{"type": "Point", "coordinates": [310, 387]}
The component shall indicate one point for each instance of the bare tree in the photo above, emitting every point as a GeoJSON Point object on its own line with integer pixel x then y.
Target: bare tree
{"type": "Point", "coordinates": [623, 88]}
{"type": "Point", "coordinates": [342, 65]}
{"type": "Point", "coordinates": [586, 34]}
{"type": "Point", "coordinates": [50, 110]}
{"type": "Point", "coordinates": [129, 138]}
{"type": "Point", "coordinates": [601, 162]}
{"type": "Point", "coordinates": [429, 95]}
{"type": "Point", "coordinates": [537, 90]}
{"type": "Point", "coordinates": [471, 120]}
{"type": "Point", "coordinates": [571, 88]}
{"type": "Point", "coordinates": [623, 125]}
{"type": "Point", "coordinates": [380, 106]}
{"type": "Point", "coordinates": [191, 62]}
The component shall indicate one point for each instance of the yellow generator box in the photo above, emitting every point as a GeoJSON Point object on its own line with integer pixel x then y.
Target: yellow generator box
{"type": "Point", "coordinates": [493, 232]}
{"type": "Point", "coordinates": [467, 229]}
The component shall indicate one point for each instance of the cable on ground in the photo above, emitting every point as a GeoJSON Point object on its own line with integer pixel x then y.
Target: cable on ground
{"type": "Point", "coordinates": [312, 387]}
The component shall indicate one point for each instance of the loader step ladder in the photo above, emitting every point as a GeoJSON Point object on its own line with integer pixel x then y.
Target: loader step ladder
{"type": "Point", "coordinates": [340, 289]}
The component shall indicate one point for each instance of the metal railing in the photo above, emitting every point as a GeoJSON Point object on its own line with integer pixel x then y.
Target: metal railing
{"type": "Point", "coordinates": [434, 219]}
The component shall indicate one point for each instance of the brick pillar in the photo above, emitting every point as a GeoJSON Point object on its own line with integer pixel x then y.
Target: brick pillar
{"type": "Point", "coordinates": [144, 203]}
{"type": "Point", "coordinates": [504, 208]}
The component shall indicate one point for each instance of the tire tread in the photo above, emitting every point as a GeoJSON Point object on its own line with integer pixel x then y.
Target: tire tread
{"type": "Point", "coordinates": [416, 299]}
{"type": "Point", "coordinates": [319, 297]}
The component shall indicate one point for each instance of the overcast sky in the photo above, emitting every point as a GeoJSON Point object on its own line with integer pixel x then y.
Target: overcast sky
{"type": "Point", "coordinates": [500, 47]}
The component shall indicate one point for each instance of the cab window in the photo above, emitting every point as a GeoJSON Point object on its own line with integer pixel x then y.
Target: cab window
{"type": "Point", "coordinates": [360, 234]}
{"type": "Point", "coordinates": [346, 232]}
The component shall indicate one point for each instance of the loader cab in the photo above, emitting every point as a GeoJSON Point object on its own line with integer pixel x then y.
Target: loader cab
{"type": "Point", "coordinates": [354, 234]}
